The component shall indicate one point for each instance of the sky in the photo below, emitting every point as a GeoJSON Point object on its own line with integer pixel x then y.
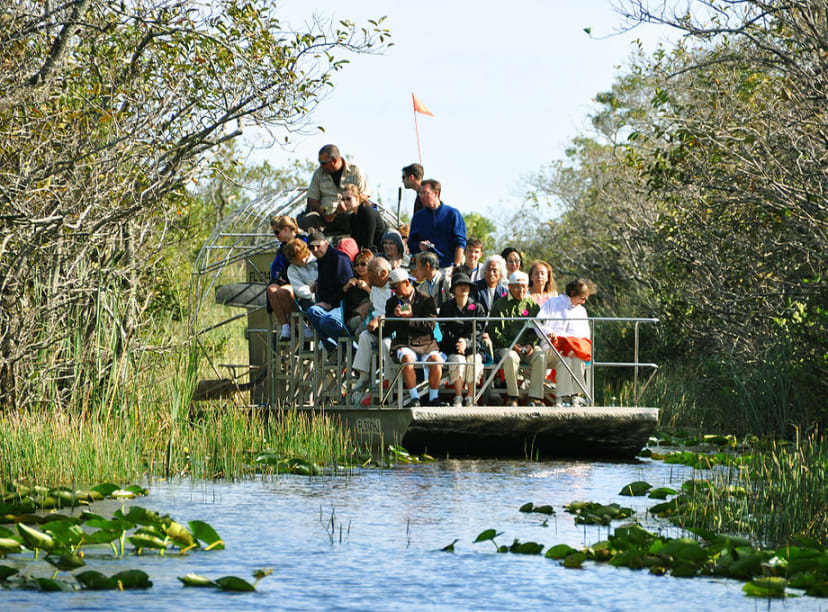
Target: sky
{"type": "Point", "coordinates": [510, 84]}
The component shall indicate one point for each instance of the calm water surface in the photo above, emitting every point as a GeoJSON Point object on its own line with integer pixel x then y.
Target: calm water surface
{"type": "Point", "coordinates": [371, 540]}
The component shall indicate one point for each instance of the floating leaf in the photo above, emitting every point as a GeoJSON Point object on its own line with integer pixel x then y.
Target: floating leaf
{"type": "Point", "coordinates": [66, 562]}
{"type": "Point", "coordinates": [144, 540]}
{"type": "Point", "coordinates": [132, 579]}
{"type": "Point", "coordinates": [575, 560]}
{"type": "Point", "coordinates": [489, 534]}
{"type": "Point", "coordinates": [770, 586]}
{"type": "Point", "coordinates": [96, 581]}
{"type": "Point", "coordinates": [639, 487]}
{"type": "Point", "coordinates": [140, 516]}
{"type": "Point", "coordinates": [179, 534]}
{"type": "Point", "coordinates": [105, 489]}
{"type": "Point", "coordinates": [206, 534]}
{"type": "Point", "coordinates": [6, 571]}
{"type": "Point", "coordinates": [527, 507]}
{"type": "Point", "coordinates": [544, 510]}
{"type": "Point", "coordinates": [559, 551]}
{"type": "Point", "coordinates": [51, 585]}
{"type": "Point", "coordinates": [525, 548]}
{"type": "Point", "coordinates": [234, 583]}
{"type": "Point", "coordinates": [7, 545]}
{"type": "Point", "coordinates": [661, 493]}
{"type": "Point", "coordinates": [194, 580]}
{"type": "Point", "coordinates": [35, 539]}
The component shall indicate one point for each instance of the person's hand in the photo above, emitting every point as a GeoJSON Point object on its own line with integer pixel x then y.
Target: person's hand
{"type": "Point", "coordinates": [551, 336]}
{"type": "Point", "coordinates": [528, 350]}
{"type": "Point", "coordinates": [425, 245]}
{"type": "Point", "coordinates": [485, 336]}
{"type": "Point", "coordinates": [403, 310]}
{"type": "Point", "coordinates": [324, 305]}
{"type": "Point", "coordinates": [351, 282]}
{"type": "Point", "coordinates": [362, 284]}
{"type": "Point", "coordinates": [373, 324]}
{"type": "Point", "coordinates": [461, 346]}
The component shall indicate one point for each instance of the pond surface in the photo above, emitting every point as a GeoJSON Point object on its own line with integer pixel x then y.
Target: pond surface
{"type": "Point", "coordinates": [371, 540]}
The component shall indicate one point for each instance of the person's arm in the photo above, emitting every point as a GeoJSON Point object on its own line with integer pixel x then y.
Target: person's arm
{"type": "Point", "coordinates": [459, 239]}
{"type": "Point", "coordinates": [315, 191]}
{"type": "Point", "coordinates": [301, 286]}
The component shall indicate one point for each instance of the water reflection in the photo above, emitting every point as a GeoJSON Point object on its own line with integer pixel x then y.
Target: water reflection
{"type": "Point", "coordinates": [371, 539]}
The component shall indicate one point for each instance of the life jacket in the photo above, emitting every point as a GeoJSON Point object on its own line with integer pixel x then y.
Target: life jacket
{"type": "Point", "coordinates": [570, 345]}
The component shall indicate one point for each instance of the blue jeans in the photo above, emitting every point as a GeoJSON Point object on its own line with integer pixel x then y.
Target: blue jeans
{"type": "Point", "coordinates": [327, 322]}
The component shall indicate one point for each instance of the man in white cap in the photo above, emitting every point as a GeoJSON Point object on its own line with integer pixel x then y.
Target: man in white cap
{"type": "Point", "coordinates": [413, 341]}
{"type": "Point", "coordinates": [503, 332]}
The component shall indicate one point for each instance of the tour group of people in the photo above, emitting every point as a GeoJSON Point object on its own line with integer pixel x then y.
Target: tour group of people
{"type": "Point", "coordinates": [347, 271]}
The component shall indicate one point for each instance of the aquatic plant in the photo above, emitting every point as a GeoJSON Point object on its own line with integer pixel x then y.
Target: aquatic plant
{"type": "Point", "coordinates": [593, 513]}
{"type": "Point", "coordinates": [62, 537]}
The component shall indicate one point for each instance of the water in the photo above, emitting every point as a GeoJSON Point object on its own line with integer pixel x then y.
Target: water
{"type": "Point", "coordinates": [372, 540]}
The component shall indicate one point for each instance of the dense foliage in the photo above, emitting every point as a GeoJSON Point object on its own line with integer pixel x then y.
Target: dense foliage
{"type": "Point", "coordinates": [701, 199]}
{"type": "Point", "coordinates": [107, 111]}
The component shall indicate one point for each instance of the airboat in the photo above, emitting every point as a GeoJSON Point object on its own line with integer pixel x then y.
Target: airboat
{"type": "Point", "coordinates": [228, 292]}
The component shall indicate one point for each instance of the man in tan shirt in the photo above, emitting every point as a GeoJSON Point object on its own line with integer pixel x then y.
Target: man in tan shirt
{"type": "Point", "coordinates": [327, 184]}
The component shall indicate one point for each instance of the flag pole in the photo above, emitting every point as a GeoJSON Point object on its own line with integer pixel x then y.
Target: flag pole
{"type": "Point", "coordinates": [416, 129]}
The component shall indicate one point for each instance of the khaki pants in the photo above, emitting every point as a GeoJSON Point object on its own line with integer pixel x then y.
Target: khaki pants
{"type": "Point", "coordinates": [564, 383]}
{"type": "Point", "coordinates": [537, 364]}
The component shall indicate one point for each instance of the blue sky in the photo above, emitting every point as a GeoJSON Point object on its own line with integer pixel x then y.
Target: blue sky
{"type": "Point", "coordinates": [510, 84]}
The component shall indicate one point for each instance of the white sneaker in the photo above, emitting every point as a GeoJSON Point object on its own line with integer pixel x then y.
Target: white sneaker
{"type": "Point", "coordinates": [469, 401]}
{"type": "Point", "coordinates": [307, 332]}
{"type": "Point", "coordinates": [458, 401]}
{"type": "Point", "coordinates": [285, 333]}
{"type": "Point", "coordinates": [359, 385]}
{"type": "Point", "coordinates": [577, 400]}
{"type": "Point", "coordinates": [559, 401]}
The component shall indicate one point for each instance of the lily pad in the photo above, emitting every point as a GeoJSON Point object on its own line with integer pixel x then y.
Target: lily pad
{"type": "Point", "coordinates": [34, 538]}
{"type": "Point", "coordinates": [6, 571]}
{"type": "Point", "coordinates": [234, 583]}
{"type": "Point", "coordinates": [559, 551]}
{"type": "Point", "coordinates": [527, 507]}
{"type": "Point", "coordinates": [489, 534]}
{"type": "Point", "coordinates": [575, 560]}
{"type": "Point", "coordinates": [194, 580]}
{"type": "Point", "coordinates": [144, 540]}
{"type": "Point", "coordinates": [7, 545]}
{"type": "Point", "coordinates": [525, 548]}
{"type": "Point", "coordinates": [96, 581]}
{"type": "Point", "coordinates": [770, 586]}
{"type": "Point", "coordinates": [132, 579]}
{"type": "Point", "coordinates": [637, 488]}
{"type": "Point", "coordinates": [206, 534]}
{"type": "Point", "coordinates": [178, 534]}
{"type": "Point", "coordinates": [662, 493]}
{"type": "Point", "coordinates": [66, 562]}
{"type": "Point", "coordinates": [51, 585]}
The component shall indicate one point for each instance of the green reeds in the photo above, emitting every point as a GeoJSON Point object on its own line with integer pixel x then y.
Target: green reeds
{"type": "Point", "coordinates": [780, 492]}
{"type": "Point", "coordinates": [222, 441]}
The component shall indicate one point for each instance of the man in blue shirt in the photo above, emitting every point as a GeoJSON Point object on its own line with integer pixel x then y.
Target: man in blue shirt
{"type": "Point", "coordinates": [438, 227]}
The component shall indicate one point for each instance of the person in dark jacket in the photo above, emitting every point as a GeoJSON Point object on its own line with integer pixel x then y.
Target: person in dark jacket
{"type": "Point", "coordinates": [367, 225]}
{"type": "Point", "coordinates": [335, 271]}
{"type": "Point", "coordinates": [463, 341]}
{"type": "Point", "coordinates": [492, 287]}
{"type": "Point", "coordinates": [413, 341]}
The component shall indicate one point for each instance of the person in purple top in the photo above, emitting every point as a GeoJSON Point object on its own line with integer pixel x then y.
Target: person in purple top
{"type": "Point", "coordinates": [438, 227]}
{"type": "Point", "coordinates": [335, 270]}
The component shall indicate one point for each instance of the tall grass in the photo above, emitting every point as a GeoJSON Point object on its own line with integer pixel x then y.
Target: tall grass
{"type": "Point", "coordinates": [730, 396]}
{"type": "Point", "coordinates": [781, 492]}
{"type": "Point", "coordinates": [55, 447]}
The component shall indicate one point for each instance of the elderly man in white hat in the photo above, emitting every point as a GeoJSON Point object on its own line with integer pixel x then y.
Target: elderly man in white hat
{"type": "Point", "coordinates": [518, 305]}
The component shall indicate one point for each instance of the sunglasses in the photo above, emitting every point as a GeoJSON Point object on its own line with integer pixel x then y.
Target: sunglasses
{"type": "Point", "coordinates": [360, 263]}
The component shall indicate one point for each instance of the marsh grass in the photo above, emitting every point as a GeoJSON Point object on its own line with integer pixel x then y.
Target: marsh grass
{"type": "Point", "coordinates": [780, 492]}
{"type": "Point", "coordinates": [220, 442]}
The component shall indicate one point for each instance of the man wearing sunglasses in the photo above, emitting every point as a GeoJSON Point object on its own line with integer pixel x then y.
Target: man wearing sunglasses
{"type": "Point", "coordinates": [327, 184]}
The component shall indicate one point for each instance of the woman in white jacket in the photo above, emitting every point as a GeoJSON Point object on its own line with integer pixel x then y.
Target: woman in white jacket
{"type": "Point", "coordinates": [567, 328]}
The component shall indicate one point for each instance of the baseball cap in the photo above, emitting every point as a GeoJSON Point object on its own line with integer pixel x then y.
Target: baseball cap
{"type": "Point", "coordinates": [518, 278]}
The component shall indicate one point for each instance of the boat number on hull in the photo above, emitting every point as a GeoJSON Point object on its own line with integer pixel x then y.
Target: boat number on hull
{"type": "Point", "coordinates": [368, 426]}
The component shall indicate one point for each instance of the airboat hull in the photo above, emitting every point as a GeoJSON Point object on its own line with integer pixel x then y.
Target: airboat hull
{"type": "Point", "coordinates": [504, 431]}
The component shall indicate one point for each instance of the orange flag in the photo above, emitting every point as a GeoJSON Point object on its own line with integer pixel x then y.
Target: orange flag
{"type": "Point", "coordinates": [419, 107]}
